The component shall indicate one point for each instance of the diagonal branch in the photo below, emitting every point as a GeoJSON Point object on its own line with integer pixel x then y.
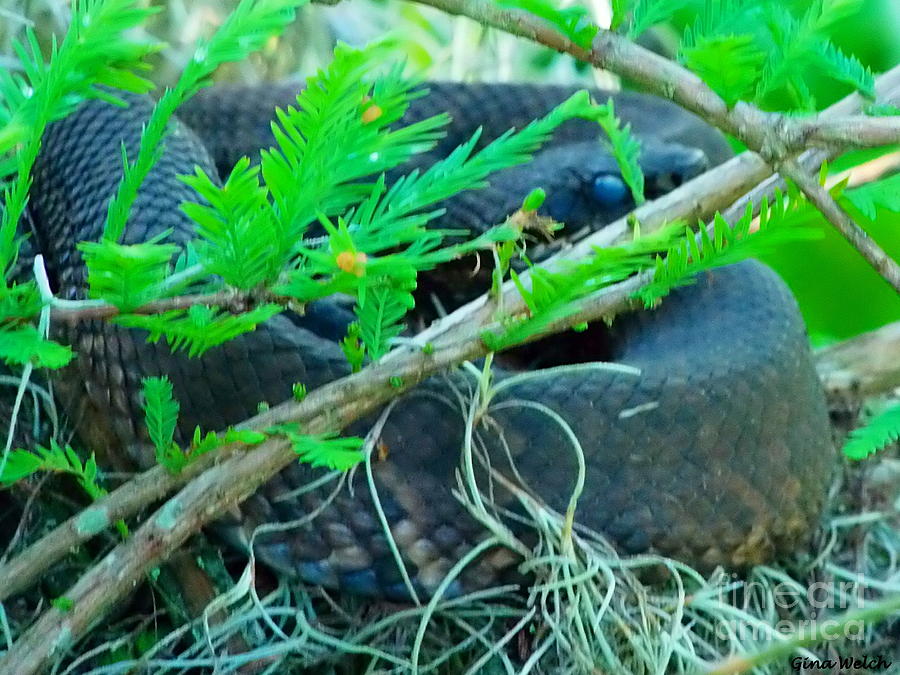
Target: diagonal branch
{"type": "Point", "coordinates": [843, 223]}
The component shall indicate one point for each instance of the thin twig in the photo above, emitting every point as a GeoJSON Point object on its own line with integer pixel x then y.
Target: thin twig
{"type": "Point", "coordinates": [72, 311]}
{"type": "Point", "coordinates": [858, 237]}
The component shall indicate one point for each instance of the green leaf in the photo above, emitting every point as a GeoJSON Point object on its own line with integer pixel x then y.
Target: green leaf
{"type": "Point", "coordinates": [18, 303]}
{"type": "Point", "coordinates": [161, 416]}
{"type": "Point", "coordinates": [198, 328]}
{"type": "Point", "coordinates": [25, 345]}
{"type": "Point", "coordinates": [241, 240]}
{"type": "Point", "coordinates": [56, 458]}
{"type": "Point", "coordinates": [388, 219]}
{"type": "Point", "coordinates": [246, 30]}
{"type": "Point", "coordinates": [245, 436]}
{"type": "Point", "coordinates": [648, 13]}
{"type": "Point", "coordinates": [128, 276]}
{"type": "Point", "coordinates": [730, 64]}
{"type": "Point", "coordinates": [353, 347]}
{"type": "Point", "coordinates": [846, 68]}
{"type": "Point", "coordinates": [99, 49]}
{"type": "Point", "coordinates": [880, 194]}
{"type": "Point", "coordinates": [63, 604]}
{"type": "Point", "coordinates": [298, 391]}
{"type": "Point", "coordinates": [19, 464]}
{"type": "Point", "coordinates": [625, 148]}
{"type": "Point", "coordinates": [754, 49]}
{"type": "Point", "coordinates": [341, 131]}
{"type": "Point", "coordinates": [380, 318]}
{"type": "Point", "coordinates": [554, 295]}
{"type": "Point", "coordinates": [881, 431]}
{"type": "Point", "coordinates": [779, 222]}
{"type": "Point", "coordinates": [881, 110]}
{"type": "Point", "coordinates": [534, 200]}
{"type": "Point", "coordinates": [620, 11]}
{"type": "Point", "coordinates": [324, 450]}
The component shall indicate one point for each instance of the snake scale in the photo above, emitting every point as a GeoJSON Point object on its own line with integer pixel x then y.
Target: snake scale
{"type": "Point", "coordinates": [716, 450]}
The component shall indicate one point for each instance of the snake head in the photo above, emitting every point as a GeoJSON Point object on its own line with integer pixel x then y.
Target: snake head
{"type": "Point", "coordinates": [590, 190]}
{"type": "Point", "coordinates": [585, 187]}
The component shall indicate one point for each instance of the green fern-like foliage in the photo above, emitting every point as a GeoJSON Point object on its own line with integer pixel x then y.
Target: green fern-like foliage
{"type": "Point", "coordinates": [730, 64]}
{"type": "Point", "coordinates": [343, 132]}
{"type": "Point", "coordinates": [881, 431]}
{"type": "Point", "coordinates": [555, 294]}
{"type": "Point", "coordinates": [56, 458]}
{"type": "Point", "coordinates": [573, 22]}
{"type": "Point", "coordinates": [25, 345]}
{"type": "Point", "coordinates": [324, 450]}
{"type": "Point", "coordinates": [161, 417]}
{"type": "Point", "coordinates": [245, 30]}
{"type": "Point", "coordinates": [645, 13]}
{"type": "Point", "coordinates": [752, 49]}
{"type": "Point", "coordinates": [781, 221]}
{"type": "Point", "coordinates": [239, 238]}
{"type": "Point", "coordinates": [198, 328]}
{"type": "Point", "coordinates": [355, 260]}
{"type": "Point", "coordinates": [96, 51]}
{"type": "Point", "coordinates": [339, 133]}
{"type": "Point", "coordinates": [128, 276]}
{"type": "Point", "coordinates": [380, 313]}
{"type": "Point", "coordinates": [625, 148]}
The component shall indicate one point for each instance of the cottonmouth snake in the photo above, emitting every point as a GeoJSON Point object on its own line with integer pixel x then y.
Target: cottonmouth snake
{"type": "Point", "coordinates": [716, 453]}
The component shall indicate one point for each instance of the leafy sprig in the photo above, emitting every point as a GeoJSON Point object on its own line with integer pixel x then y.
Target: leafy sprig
{"type": "Point", "coordinates": [161, 418]}
{"type": "Point", "coordinates": [625, 147]}
{"type": "Point", "coordinates": [95, 52]}
{"type": "Point", "coordinates": [245, 30]}
{"type": "Point", "coordinates": [751, 49]}
{"type": "Point", "coordinates": [239, 235]}
{"type": "Point", "coordinates": [25, 345]}
{"type": "Point", "coordinates": [574, 22]}
{"type": "Point", "coordinates": [782, 220]}
{"type": "Point", "coordinates": [323, 450]}
{"type": "Point", "coordinates": [881, 431]}
{"type": "Point", "coordinates": [555, 294]}
{"type": "Point", "coordinates": [198, 328]}
{"type": "Point", "coordinates": [57, 459]}
{"type": "Point", "coordinates": [129, 276]}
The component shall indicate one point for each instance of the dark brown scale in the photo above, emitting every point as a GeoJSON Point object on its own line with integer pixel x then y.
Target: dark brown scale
{"type": "Point", "coordinates": [718, 453]}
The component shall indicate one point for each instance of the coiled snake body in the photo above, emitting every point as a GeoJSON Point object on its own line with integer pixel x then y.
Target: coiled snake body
{"type": "Point", "coordinates": [716, 452]}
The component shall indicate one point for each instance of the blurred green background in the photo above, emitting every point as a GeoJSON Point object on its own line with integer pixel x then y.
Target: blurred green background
{"type": "Point", "coordinates": [840, 296]}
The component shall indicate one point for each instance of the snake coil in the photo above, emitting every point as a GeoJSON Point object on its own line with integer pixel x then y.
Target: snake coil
{"type": "Point", "coordinates": [711, 445]}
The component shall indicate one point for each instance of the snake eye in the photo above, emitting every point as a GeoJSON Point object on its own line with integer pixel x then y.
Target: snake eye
{"type": "Point", "coordinates": [609, 190]}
